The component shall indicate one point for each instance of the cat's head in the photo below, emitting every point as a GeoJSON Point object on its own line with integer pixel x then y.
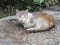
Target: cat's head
{"type": "Point", "coordinates": [23, 15]}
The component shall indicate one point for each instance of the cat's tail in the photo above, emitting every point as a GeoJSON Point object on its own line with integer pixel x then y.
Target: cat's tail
{"type": "Point", "coordinates": [37, 31]}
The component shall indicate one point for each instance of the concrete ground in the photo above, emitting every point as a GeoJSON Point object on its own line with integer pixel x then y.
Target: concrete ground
{"type": "Point", "coordinates": [11, 35]}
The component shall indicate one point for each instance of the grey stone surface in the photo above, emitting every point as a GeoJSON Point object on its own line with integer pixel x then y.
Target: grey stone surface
{"type": "Point", "coordinates": [11, 35]}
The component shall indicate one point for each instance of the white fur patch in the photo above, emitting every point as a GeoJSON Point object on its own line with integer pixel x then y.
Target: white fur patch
{"type": "Point", "coordinates": [42, 23]}
{"type": "Point", "coordinates": [29, 16]}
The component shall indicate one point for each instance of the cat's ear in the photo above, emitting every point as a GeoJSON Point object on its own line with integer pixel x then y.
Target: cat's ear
{"type": "Point", "coordinates": [17, 11]}
{"type": "Point", "coordinates": [26, 10]}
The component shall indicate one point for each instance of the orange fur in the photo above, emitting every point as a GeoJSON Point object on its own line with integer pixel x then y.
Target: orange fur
{"type": "Point", "coordinates": [48, 17]}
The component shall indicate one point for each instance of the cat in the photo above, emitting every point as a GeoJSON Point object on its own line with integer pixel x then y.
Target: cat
{"type": "Point", "coordinates": [31, 22]}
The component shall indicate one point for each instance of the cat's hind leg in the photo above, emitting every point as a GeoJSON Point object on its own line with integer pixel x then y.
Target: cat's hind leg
{"type": "Point", "coordinates": [31, 29]}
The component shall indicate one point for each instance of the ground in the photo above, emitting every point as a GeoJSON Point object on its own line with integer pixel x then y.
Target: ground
{"type": "Point", "coordinates": [11, 35]}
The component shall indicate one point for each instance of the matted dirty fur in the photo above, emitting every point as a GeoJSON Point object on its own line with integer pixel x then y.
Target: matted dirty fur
{"type": "Point", "coordinates": [35, 23]}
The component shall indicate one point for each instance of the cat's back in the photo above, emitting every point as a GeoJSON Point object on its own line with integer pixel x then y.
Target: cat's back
{"type": "Point", "coordinates": [42, 15]}
{"type": "Point", "coordinates": [47, 17]}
